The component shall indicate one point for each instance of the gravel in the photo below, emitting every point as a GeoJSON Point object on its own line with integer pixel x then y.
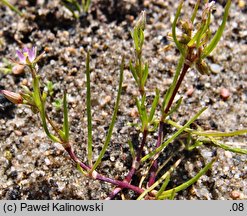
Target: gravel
{"type": "Point", "coordinates": [32, 167]}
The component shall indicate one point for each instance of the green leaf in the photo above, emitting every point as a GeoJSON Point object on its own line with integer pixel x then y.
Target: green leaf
{"type": "Point", "coordinates": [173, 85]}
{"type": "Point", "coordinates": [185, 185]}
{"type": "Point", "coordinates": [175, 108]}
{"type": "Point", "coordinates": [89, 114]}
{"type": "Point", "coordinates": [81, 170]}
{"type": "Point", "coordinates": [36, 92]}
{"type": "Point", "coordinates": [218, 34]}
{"type": "Point", "coordinates": [174, 136]}
{"type": "Point", "coordinates": [142, 111]}
{"type": "Point", "coordinates": [163, 187]}
{"type": "Point", "coordinates": [161, 179]}
{"type": "Point", "coordinates": [133, 71]}
{"type": "Point", "coordinates": [132, 151]}
{"type": "Point", "coordinates": [228, 148]}
{"type": "Point", "coordinates": [65, 118]}
{"type": "Point", "coordinates": [12, 7]}
{"type": "Point", "coordinates": [154, 105]}
{"type": "Point", "coordinates": [173, 193]}
{"type": "Point", "coordinates": [174, 35]}
{"type": "Point", "coordinates": [145, 75]}
{"type": "Point", "coordinates": [195, 11]}
{"type": "Point", "coordinates": [108, 137]}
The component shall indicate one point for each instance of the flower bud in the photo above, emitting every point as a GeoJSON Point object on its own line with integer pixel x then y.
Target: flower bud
{"type": "Point", "coordinates": [187, 27]}
{"type": "Point", "coordinates": [202, 67]}
{"type": "Point", "coordinates": [141, 21]}
{"type": "Point", "coordinates": [12, 96]}
{"type": "Point", "coordinates": [18, 69]}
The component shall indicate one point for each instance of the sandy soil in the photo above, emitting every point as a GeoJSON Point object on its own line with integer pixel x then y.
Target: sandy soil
{"type": "Point", "coordinates": [32, 167]}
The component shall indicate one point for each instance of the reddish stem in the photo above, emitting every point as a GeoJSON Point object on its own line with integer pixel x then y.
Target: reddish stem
{"type": "Point", "coordinates": [154, 166]}
{"type": "Point", "coordinates": [95, 175]}
{"type": "Point", "coordinates": [134, 167]}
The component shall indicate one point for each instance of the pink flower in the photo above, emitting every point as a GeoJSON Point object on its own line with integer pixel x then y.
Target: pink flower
{"type": "Point", "coordinates": [27, 55]}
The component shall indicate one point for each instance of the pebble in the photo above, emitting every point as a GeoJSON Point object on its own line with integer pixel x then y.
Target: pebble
{"type": "Point", "coordinates": [106, 100]}
{"type": "Point", "coordinates": [47, 161]}
{"type": "Point", "coordinates": [234, 195]}
{"type": "Point", "coordinates": [215, 68]}
{"type": "Point", "coordinates": [24, 82]}
{"type": "Point", "coordinates": [228, 154]}
{"type": "Point", "coordinates": [224, 93]}
{"type": "Point", "coordinates": [190, 91]}
{"type": "Point", "coordinates": [133, 113]}
{"type": "Point", "coordinates": [17, 132]}
{"type": "Point", "coordinates": [241, 4]}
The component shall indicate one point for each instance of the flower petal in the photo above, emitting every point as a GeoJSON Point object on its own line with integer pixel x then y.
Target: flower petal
{"type": "Point", "coordinates": [21, 57]}
{"type": "Point", "coordinates": [32, 54]}
{"type": "Point", "coordinates": [25, 50]}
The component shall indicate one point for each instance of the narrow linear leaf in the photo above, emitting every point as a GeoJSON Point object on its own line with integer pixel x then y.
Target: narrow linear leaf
{"type": "Point", "coordinates": [12, 7]}
{"type": "Point", "coordinates": [176, 107]}
{"type": "Point", "coordinates": [144, 111]}
{"type": "Point", "coordinates": [185, 185]}
{"type": "Point", "coordinates": [81, 170]}
{"type": "Point", "coordinates": [132, 151]}
{"type": "Point", "coordinates": [36, 92]}
{"type": "Point", "coordinates": [161, 179]}
{"type": "Point", "coordinates": [163, 187]}
{"type": "Point", "coordinates": [174, 82]}
{"type": "Point", "coordinates": [227, 147]}
{"type": "Point", "coordinates": [65, 118]}
{"type": "Point", "coordinates": [192, 19]}
{"type": "Point", "coordinates": [209, 133]}
{"type": "Point", "coordinates": [89, 113]}
{"type": "Point", "coordinates": [174, 35]}
{"type": "Point", "coordinates": [108, 137]}
{"type": "Point", "coordinates": [161, 147]}
{"type": "Point", "coordinates": [154, 105]}
{"type": "Point", "coordinates": [173, 193]}
{"type": "Point", "coordinates": [133, 71]}
{"type": "Point", "coordinates": [219, 32]}
{"type": "Point", "coordinates": [145, 75]}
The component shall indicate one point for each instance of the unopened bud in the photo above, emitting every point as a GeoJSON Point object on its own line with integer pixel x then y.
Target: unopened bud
{"type": "Point", "coordinates": [187, 27]}
{"type": "Point", "coordinates": [141, 21]}
{"type": "Point", "coordinates": [12, 96]}
{"type": "Point", "coordinates": [18, 69]}
{"type": "Point", "coordinates": [202, 67]}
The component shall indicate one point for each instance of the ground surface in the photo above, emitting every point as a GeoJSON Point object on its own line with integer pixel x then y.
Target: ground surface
{"type": "Point", "coordinates": [32, 167]}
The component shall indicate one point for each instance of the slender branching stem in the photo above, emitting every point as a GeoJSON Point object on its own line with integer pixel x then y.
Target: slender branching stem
{"type": "Point", "coordinates": [97, 176]}
{"type": "Point", "coordinates": [134, 167]}
{"type": "Point", "coordinates": [154, 166]}
{"type": "Point", "coordinates": [190, 58]}
{"type": "Point", "coordinates": [179, 82]}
